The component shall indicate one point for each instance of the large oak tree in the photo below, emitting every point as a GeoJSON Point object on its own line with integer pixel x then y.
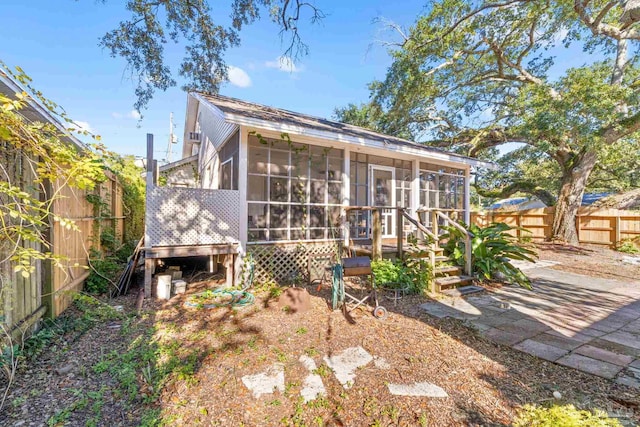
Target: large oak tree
{"type": "Point", "coordinates": [475, 75]}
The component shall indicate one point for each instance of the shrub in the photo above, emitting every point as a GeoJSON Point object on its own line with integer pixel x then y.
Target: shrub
{"type": "Point", "coordinates": [565, 416]}
{"type": "Point", "coordinates": [390, 274]}
{"type": "Point", "coordinates": [105, 268]}
{"type": "Point", "coordinates": [413, 274]}
{"type": "Point", "coordinates": [492, 250]}
{"type": "Point", "coordinates": [628, 246]}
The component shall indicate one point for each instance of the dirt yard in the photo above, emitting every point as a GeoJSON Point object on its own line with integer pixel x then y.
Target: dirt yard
{"type": "Point", "coordinates": [174, 365]}
{"type": "Point", "coordinates": [590, 260]}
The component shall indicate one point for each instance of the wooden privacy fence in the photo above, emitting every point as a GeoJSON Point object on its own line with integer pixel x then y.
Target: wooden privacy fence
{"type": "Point", "coordinates": [596, 226]}
{"type": "Point", "coordinates": [92, 219]}
{"type": "Point", "coordinates": [25, 300]}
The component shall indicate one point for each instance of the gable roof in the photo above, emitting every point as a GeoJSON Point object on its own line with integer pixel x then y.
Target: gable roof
{"type": "Point", "coordinates": [248, 113]}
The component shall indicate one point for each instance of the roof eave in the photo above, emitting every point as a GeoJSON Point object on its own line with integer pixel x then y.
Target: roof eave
{"type": "Point", "coordinates": [40, 109]}
{"type": "Point", "coordinates": [304, 130]}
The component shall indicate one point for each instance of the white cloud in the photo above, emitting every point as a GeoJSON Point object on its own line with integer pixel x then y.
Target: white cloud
{"type": "Point", "coordinates": [83, 126]}
{"type": "Point", "coordinates": [133, 114]}
{"type": "Point", "coordinates": [284, 63]}
{"type": "Point", "coordinates": [238, 77]}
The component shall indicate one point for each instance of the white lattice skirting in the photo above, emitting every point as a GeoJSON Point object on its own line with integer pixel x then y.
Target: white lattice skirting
{"type": "Point", "coordinates": [285, 264]}
{"type": "Point", "coordinates": [191, 216]}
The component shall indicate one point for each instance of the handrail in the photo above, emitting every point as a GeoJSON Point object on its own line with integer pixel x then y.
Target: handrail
{"type": "Point", "coordinates": [420, 226]}
{"type": "Point", "coordinates": [453, 222]}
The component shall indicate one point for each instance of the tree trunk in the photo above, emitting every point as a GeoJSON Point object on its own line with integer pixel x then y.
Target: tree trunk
{"type": "Point", "coordinates": [574, 181]}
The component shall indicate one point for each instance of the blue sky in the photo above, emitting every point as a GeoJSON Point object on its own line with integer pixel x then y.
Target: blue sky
{"type": "Point", "coordinates": [56, 43]}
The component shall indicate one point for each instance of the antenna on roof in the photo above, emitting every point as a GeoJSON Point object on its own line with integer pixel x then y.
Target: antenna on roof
{"type": "Point", "coordinates": [173, 139]}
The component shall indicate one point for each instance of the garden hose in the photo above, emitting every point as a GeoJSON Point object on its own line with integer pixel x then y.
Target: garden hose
{"type": "Point", "coordinates": [337, 286]}
{"type": "Point", "coordinates": [236, 298]}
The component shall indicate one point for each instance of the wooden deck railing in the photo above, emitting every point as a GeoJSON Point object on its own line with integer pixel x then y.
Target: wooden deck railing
{"type": "Point", "coordinates": [402, 214]}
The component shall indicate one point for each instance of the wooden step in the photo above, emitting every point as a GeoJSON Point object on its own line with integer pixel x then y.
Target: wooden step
{"type": "Point", "coordinates": [450, 281]}
{"type": "Point", "coordinates": [447, 270]}
{"type": "Point", "coordinates": [442, 258]}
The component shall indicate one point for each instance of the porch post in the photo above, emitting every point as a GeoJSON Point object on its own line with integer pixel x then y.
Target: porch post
{"type": "Point", "coordinates": [467, 195]}
{"type": "Point", "coordinates": [415, 193]}
{"type": "Point", "coordinates": [346, 196]}
{"type": "Point", "coordinates": [243, 155]}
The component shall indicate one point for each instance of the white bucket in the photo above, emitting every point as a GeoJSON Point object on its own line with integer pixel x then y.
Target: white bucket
{"type": "Point", "coordinates": [163, 289]}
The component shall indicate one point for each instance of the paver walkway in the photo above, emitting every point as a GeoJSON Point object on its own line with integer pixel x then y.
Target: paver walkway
{"type": "Point", "coordinates": [586, 323]}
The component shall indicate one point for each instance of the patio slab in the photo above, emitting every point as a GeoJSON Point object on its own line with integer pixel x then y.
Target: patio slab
{"type": "Point", "coordinates": [587, 323]}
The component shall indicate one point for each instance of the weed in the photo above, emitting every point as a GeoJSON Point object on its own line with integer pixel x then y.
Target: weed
{"type": "Point", "coordinates": [323, 370]}
{"type": "Point", "coordinates": [320, 402]}
{"type": "Point", "coordinates": [392, 412]}
{"type": "Point", "coordinates": [18, 401]}
{"type": "Point", "coordinates": [302, 331]}
{"type": "Point", "coordinates": [370, 406]}
{"type": "Point", "coordinates": [311, 352]}
{"type": "Point", "coordinates": [280, 355]}
{"type": "Point", "coordinates": [252, 342]}
{"type": "Point", "coordinates": [628, 246]}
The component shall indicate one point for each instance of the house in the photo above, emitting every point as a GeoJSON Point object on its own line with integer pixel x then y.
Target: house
{"type": "Point", "coordinates": [283, 186]}
{"type": "Point", "coordinates": [517, 204]}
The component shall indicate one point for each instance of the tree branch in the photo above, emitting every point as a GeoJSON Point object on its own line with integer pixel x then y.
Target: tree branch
{"type": "Point", "coordinates": [518, 187]}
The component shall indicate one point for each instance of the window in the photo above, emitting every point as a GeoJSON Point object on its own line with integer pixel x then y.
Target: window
{"type": "Point", "coordinates": [441, 187]}
{"type": "Point", "coordinates": [294, 191]}
{"type": "Point", "coordinates": [226, 175]}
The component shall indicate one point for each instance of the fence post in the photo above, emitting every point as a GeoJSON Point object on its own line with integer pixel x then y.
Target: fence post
{"type": "Point", "coordinates": [617, 230]}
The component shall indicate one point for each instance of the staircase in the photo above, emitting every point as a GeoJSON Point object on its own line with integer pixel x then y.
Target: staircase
{"type": "Point", "coordinates": [446, 275]}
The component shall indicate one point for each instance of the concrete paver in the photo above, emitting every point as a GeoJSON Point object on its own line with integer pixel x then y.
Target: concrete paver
{"type": "Point", "coordinates": [604, 355]}
{"type": "Point", "coordinates": [589, 365]}
{"type": "Point", "coordinates": [541, 350]}
{"type": "Point", "coordinates": [587, 323]}
{"type": "Point", "coordinates": [560, 341]}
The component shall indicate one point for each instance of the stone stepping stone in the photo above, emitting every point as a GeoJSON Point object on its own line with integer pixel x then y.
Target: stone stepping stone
{"type": "Point", "coordinates": [344, 364]}
{"type": "Point", "coordinates": [463, 290]}
{"type": "Point", "coordinates": [266, 382]}
{"type": "Point", "coordinates": [312, 386]}
{"type": "Point", "coordinates": [423, 389]}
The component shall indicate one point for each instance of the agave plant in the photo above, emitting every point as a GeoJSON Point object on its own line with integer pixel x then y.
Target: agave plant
{"type": "Point", "coordinates": [492, 250]}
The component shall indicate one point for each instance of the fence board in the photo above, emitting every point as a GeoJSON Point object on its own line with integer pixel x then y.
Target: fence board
{"type": "Point", "coordinates": [596, 226]}
{"type": "Point", "coordinates": [75, 245]}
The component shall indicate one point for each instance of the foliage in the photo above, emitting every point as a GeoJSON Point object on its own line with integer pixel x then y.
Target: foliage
{"type": "Point", "coordinates": [565, 416]}
{"type": "Point", "coordinates": [628, 246]}
{"type": "Point", "coordinates": [390, 274]}
{"type": "Point", "coordinates": [141, 40]}
{"type": "Point", "coordinates": [471, 76]}
{"type": "Point", "coordinates": [133, 195]}
{"type": "Point", "coordinates": [104, 269]}
{"type": "Point", "coordinates": [492, 249]}
{"type": "Point", "coordinates": [45, 153]}
{"type": "Point", "coordinates": [413, 274]}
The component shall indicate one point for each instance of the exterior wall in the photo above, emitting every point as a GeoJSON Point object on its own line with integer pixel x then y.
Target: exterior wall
{"type": "Point", "coordinates": [184, 175]}
{"type": "Point", "coordinates": [214, 132]}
